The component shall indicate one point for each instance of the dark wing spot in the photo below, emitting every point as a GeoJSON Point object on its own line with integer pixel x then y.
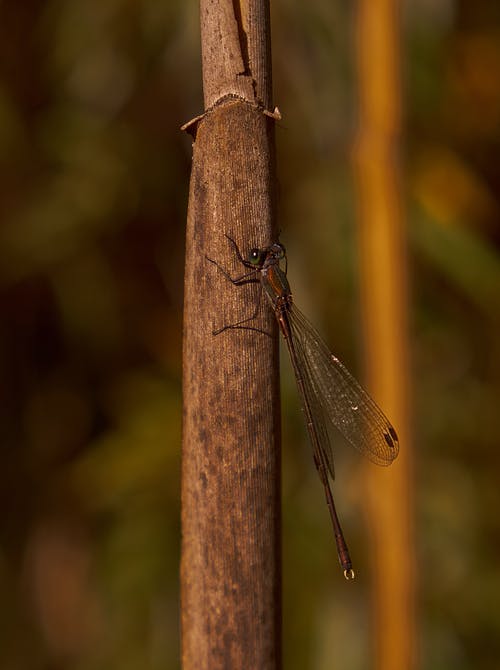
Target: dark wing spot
{"type": "Point", "coordinates": [389, 440]}
{"type": "Point", "coordinates": [393, 433]}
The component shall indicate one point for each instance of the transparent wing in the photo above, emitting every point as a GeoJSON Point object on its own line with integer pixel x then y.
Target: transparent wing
{"type": "Point", "coordinates": [314, 413]}
{"type": "Point", "coordinates": [343, 401]}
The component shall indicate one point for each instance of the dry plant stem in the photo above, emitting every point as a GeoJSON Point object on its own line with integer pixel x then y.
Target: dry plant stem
{"type": "Point", "coordinates": [230, 565]}
{"type": "Point", "coordinates": [384, 298]}
{"type": "Point", "coordinates": [236, 52]}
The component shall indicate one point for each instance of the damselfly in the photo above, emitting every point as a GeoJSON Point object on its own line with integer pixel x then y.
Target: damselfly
{"type": "Point", "coordinates": [328, 392]}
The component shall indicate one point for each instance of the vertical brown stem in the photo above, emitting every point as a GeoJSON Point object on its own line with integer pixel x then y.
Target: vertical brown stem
{"type": "Point", "coordinates": [384, 295]}
{"type": "Point", "coordinates": [230, 566]}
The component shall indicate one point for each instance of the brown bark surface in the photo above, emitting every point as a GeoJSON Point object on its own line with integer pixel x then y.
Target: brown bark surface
{"type": "Point", "coordinates": [230, 566]}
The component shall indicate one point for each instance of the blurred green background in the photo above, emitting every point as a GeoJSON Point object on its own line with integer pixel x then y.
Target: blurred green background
{"type": "Point", "coordinates": [94, 178]}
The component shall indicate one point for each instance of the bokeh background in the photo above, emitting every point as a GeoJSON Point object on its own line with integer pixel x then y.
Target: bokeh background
{"type": "Point", "coordinates": [93, 196]}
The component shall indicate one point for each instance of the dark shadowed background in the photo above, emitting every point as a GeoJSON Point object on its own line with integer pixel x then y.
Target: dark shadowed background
{"type": "Point", "coordinates": [94, 174]}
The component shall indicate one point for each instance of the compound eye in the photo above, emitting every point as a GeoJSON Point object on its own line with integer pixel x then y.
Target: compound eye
{"type": "Point", "coordinates": [254, 256]}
